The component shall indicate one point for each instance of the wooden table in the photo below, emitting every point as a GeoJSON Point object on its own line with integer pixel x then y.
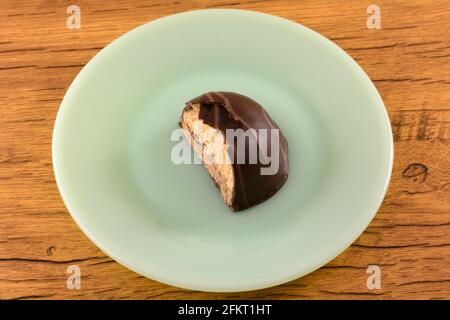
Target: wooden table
{"type": "Point", "coordinates": [408, 59]}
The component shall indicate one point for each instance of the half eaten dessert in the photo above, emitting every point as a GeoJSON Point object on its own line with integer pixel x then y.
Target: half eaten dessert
{"type": "Point", "coordinates": [243, 149]}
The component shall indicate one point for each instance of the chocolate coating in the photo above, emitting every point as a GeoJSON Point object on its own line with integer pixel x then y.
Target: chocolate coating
{"type": "Point", "coordinates": [228, 110]}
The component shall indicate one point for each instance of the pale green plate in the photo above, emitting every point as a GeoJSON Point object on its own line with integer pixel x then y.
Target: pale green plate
{"type": "Point", "coordinates": [111, 151]}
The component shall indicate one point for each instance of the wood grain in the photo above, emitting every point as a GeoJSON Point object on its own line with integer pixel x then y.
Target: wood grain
{"type": "Point", "coordinates": [408, 60]}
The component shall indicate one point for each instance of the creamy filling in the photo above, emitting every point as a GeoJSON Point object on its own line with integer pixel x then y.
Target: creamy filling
{"type": "Point", "coordinates": [209, 144]}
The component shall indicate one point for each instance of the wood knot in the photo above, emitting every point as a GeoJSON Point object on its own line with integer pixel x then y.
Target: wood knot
{"type": "Point", "coordinates": [50, 250]}
{"type": "Point", "coordinates": [415, 172]}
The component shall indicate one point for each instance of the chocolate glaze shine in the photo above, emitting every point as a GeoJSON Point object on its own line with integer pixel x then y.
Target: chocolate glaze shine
{"type": "Point", "coordinates": [228, 110]}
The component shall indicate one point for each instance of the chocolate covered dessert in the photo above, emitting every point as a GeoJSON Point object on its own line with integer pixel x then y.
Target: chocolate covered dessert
{"type": "Point", "coordinates": [243, 149]}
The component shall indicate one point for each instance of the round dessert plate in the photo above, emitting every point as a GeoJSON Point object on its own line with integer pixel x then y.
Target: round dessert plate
{"type": "Point", "coordinates": [112, 146]}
